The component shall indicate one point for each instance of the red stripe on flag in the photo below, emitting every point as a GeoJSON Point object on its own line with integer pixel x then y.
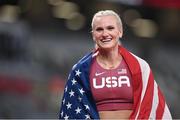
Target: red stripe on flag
{"type": "Point", "coordinates": [135, 70]}
{"type": "Point", "coordinates": [137, 91]}
{"type": "Point", "coordinates": [146, 104]}
{"type": "Point", "coordinates": [161, 105]}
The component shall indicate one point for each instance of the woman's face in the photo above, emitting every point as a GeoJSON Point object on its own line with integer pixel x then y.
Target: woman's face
{"type": "Point", "coordinates": [106, 32]}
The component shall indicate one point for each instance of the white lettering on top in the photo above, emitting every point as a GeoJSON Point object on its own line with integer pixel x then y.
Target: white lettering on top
{"type": "Point", "coordinates": [112, 82]}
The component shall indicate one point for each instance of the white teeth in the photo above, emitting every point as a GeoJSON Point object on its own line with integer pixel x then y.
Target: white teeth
{"type": "Point", "coordinates": [106, 40]}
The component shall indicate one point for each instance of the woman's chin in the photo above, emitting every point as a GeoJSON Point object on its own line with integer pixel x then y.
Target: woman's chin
{"type": "Point", "coordinates": [107, 46]}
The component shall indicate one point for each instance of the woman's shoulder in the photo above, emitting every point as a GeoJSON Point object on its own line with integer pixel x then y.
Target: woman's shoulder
{"type": "Point", "coordinates": [128, 54]}
{"type": "Point", "coordinates": [141, 61]}
{"type": "Point", "coordinates": [86, 59]}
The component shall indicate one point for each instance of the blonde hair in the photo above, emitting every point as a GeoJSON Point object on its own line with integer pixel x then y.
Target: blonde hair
{"type": "Point", "coordinates": [106, 13]}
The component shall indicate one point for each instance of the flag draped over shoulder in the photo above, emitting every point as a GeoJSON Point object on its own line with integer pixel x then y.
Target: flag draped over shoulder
{"type": "Point", "coordinates": [78, 102]}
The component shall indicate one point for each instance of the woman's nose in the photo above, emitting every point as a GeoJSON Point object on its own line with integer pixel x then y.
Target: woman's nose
{"type": "Point", "coordinates": [105, 33]}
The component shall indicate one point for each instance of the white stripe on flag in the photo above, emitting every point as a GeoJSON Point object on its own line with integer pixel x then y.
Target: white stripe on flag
{"type": "Point", "coordinates": [155, 101]}
{"type": "Point", "coordinates": [145, 69]}
{"type": "Point", "coordinates": [167, 114]}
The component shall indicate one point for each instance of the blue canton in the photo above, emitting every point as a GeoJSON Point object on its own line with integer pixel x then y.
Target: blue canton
{"type": "Point", "coordinates": [77, 102]}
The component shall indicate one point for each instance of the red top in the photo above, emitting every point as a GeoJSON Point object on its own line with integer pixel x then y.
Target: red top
{"type": "Point", "coordinates": [111, 89]}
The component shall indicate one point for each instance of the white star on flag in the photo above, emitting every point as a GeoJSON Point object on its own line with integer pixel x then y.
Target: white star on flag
{"type": "Point", "coordinates": [71, 93]}
{"type": "Point", "coordinates": [62, 114]}
{"type": "Point", "coordinates": [74, 82]}
{"type": "Point", "coordinates": [66, 88]}
{"type": "Point", "coordinates": [81, 91]}
{"type": "Point", "coordinates": [68, 105]}
{"type": "Point", "coordinates": [78, 110]}
{"type": "Point", "coordinates": [79, 98]}
{"type": "Point", "coordinates": [78, 72]}
{"type": "Point", "coordinates": [87, 116]}
{"type": "Point", "coordinates": [63, 101]}
{"type": "Point", "coordinates": [66, 117]}
{"type": "Point", "coordinates": [87, 107]}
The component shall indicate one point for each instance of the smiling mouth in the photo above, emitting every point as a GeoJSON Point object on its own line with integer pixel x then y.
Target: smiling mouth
{"type": "Point", "coordinates": [106, 40]}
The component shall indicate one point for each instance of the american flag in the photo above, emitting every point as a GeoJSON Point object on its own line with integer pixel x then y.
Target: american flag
{"type": "Point", "coordinates": [77, 99]}
{"type": "Point", "coordinates": [149, 102]}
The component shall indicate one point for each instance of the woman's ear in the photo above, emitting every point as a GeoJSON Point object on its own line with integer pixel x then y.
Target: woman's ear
{"type": "Point", "coordinates": [120, 33]}
{"type": "Point", "coordinates": [93, 36]}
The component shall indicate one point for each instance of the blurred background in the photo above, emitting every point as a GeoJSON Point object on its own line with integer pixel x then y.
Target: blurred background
{"type": "Point", "coordinates": [40, 40]}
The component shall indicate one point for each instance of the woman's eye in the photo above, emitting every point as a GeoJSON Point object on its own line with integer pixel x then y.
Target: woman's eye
{"type": "Point", "coordinates": [99, 29]}
{"type": "Point", "coordinates": [110, 28]}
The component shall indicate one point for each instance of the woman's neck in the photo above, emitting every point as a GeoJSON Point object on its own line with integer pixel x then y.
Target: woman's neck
{"type": "Point", "coordinates": [109, 59]}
